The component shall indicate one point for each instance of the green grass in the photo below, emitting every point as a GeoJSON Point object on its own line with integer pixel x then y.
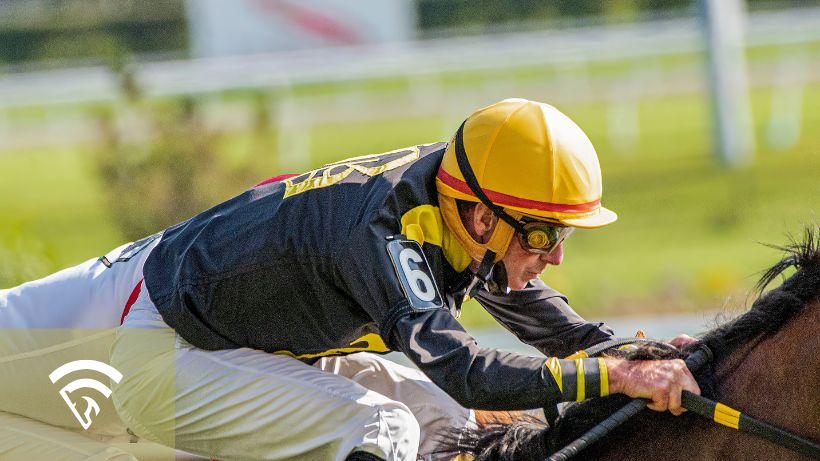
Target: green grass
{"type": "Point", "coordinates": [686, 238]}
{"type": "Point", "coordinates": [51, 215]}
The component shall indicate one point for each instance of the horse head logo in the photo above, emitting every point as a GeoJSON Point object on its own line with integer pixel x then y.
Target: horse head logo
{"type": "Point", "coordinates": [85, 418]}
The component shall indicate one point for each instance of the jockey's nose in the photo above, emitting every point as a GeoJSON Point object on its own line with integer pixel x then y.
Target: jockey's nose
{"type": "Point", "coordinates": [556, 256]}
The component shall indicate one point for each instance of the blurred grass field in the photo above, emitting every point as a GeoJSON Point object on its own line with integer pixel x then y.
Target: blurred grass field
{"type": "Point", "coordinates": [686, 238]}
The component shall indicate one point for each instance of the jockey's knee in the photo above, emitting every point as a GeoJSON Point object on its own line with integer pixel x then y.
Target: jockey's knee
{"type": "Point", "coordinates": [398, 433]}
{"type": "Point", "coordinates": [411, 430]}
{"type": "Point", "coordinates": [145, 397]}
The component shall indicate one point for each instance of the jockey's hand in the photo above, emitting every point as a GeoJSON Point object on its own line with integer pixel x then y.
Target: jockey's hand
{"type": "Point", "coordinates": [682, 340]}
{"type": "Point", "coordinates": [661, 381]}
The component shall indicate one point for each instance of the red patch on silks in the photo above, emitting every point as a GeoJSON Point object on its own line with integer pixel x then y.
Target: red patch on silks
{"type": "Point", "coordinates": [131, 300]}
{"type": "Point", "coordinates": [281, 177]}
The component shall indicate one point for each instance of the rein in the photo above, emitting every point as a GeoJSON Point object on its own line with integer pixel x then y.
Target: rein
{"type": "Point", "coordinates": [730, 417]}
{"type": "Point", "coordinates": [702, 406]}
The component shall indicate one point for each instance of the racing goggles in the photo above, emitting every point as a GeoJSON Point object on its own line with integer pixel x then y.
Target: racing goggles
{"type": "Point", "coordinates": [542, 237]}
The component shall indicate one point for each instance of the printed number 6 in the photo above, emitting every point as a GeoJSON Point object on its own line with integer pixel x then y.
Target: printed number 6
{"type": "Point", "coordinates": [420, 282]}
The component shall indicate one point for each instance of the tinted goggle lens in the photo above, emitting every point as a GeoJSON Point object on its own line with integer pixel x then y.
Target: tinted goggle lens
{"type": "Point", "coordinates": [543, 237]}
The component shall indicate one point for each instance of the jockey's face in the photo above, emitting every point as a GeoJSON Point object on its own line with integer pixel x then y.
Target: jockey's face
{"type": "Point", "coordinates": [523, 266]}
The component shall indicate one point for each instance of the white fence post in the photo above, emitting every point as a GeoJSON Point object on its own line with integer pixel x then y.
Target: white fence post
{"type": "Point", "coordinates": [293, 130]}
{"type": "Point", "coordinates": [786, 113]}
{"type": "Point", "coordinates": [723, 27]}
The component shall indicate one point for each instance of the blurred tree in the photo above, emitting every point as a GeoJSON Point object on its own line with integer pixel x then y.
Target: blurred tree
{"type": "Point", "coordinates": [33, 30]}
{"type": "Point", "coordinates": [167, 164]}
{"type": "Point", "coordinates": [436, 14]}
{"type": "Point", "coordinates": [488, 14]}
{"type": "Point", "coordinates": [96, 44]}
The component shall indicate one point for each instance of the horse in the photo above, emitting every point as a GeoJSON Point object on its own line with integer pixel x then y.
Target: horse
{"type": "Point", "coordinates": [766, 364]}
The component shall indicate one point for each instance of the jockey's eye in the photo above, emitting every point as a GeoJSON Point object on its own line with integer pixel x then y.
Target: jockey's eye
{"type": "Point", "coordinates": [543, 237]}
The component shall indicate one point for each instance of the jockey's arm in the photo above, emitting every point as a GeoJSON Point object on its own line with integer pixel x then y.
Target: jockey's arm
{"type": "Point", "coordinates": [489, 379]}
{"type": "Point", "coordinates": [541, 317]}
{"type": "Point", "coordinates": [478, 378]}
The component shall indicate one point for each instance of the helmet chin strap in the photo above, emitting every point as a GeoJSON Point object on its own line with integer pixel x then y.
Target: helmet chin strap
{"type": "Point", "coordinates": [483, 274]}
{"type": "Point", "coordinates": [498, 283]}
{"type": "Point", "coordinates": [485, 269]}
{"type": "Point", "coordinates": [487, 252]}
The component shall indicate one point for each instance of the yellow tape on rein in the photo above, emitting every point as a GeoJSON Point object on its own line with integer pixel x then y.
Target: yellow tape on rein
{"type": "Point", "coordinates": [727, 416]}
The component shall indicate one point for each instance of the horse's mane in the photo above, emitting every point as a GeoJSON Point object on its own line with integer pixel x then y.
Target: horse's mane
{"type": "Point", "coordinates": [771, 310]}
{"type": "Point", "coordinates": [768, 313]}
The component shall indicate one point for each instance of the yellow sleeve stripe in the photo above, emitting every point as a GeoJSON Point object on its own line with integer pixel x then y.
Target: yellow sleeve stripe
{"type": "Point", "coordinates": [604, 377]}
{"type": "Point", "coordinates": [554, 366]}
{"type": "Point", "coordinates": [578, 355]}
{"type": "Point", "coordinates": [579, 366]}
{"type": "Point", "coordinates": [727, 416]}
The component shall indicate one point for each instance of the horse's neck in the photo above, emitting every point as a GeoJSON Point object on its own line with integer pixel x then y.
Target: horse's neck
{"type": "Point", "coordinates": [776, 379]}
{"type": "Point", "coordinates": [736, 360]}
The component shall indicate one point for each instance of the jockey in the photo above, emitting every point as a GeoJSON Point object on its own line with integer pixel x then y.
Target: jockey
{"type": "Point", "coordinates": [256, 330]}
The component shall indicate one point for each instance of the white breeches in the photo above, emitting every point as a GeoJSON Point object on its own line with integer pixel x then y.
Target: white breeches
{"type": "Point", "coordinates": [245, 403]}
{"type": "Point", "coordinates": [229, 404]}
{"type": "Point", "coordinates": [87, 296]}
{"type": "Point", "coordinates": [69, 315]}
{"type": "Point", "coordinates": [24, 439]}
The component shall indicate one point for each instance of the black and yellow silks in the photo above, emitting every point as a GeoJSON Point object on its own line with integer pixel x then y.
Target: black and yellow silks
{"type": "Point", "coordinates": [580, 378]}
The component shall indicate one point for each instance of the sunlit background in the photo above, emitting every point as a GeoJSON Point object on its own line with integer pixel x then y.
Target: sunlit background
{"type": "Point", "coordinates": [121, 117]}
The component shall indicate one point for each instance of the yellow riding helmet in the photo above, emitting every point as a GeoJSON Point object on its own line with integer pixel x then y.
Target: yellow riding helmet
{"type": "Point", "coordinates": [528, 159]}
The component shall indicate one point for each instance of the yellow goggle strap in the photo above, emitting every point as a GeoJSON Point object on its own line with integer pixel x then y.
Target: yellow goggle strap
{"type": "Point", "coordinates": [579, 379]}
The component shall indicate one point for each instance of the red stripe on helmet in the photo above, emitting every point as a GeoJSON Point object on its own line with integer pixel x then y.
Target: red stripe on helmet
{"type": "Point", "coordinates": [509, 200]}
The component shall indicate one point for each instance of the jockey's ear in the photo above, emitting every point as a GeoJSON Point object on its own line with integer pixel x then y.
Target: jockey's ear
{"type": "Point", "coordinates": [482, 222]}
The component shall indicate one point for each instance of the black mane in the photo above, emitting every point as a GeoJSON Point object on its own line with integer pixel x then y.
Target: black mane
{"type": "Point", "coordinates": [773, 309]}
{"type": "Point", "coordinates": [768, 313]}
